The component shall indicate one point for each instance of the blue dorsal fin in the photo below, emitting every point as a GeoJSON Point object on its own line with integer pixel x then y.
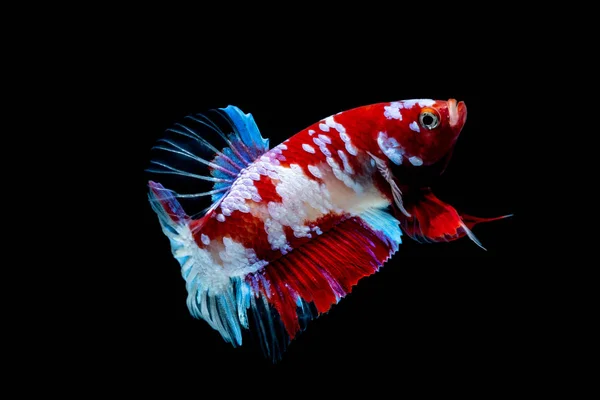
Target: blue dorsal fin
{"type": "Point", "coordinates": [248, 131]}
{"type": "Point", "coordinates": [199, 158]}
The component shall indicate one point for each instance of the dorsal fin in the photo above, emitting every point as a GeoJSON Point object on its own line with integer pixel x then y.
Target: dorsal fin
{"type": "Point", "coordinates": [199, 158]}
{"type": "Point", "coordinates": [247, 131]}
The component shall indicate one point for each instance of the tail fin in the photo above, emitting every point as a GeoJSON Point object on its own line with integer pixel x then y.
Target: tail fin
{"type": "Point", "coordinates": [196, 164]}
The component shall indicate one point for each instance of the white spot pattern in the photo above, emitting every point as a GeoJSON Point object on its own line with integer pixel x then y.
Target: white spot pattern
{"type": "Point", "coordinates": [351, 149]}
{"type": "Point", "coordinates": [325, 139]}
{"type": "Point", "coordinates": [296, 191]}
{"type": "Point", "coordinates": [322, 147]}
{"type": "Point", "coordinates": [243, 188]}
{"type": "Point", "coordinates": [205, 239]}
{"type": "Point", "coordinates": [414, 126]}
{"type": "Point", "coordinates": [421, 102]}
{"type": "Point", "coordinates": [390, 147]}
{"type": "Point", "coordinates": [324, 127]}
{"type": "Point", "coordinates": [393, 111]}
{"type": "Point", "coordinates": [340, 175]}
{"type": "Point", "coordinates": [330, 122]}
{"type": "Point", "coordinates": [347, 166]}
{"type": "Point", "coordinates": [416, 161]}
{"type": "Point", "coordinates": [308, 148]}
{"type": "Point", "coordinates": [315, 171]}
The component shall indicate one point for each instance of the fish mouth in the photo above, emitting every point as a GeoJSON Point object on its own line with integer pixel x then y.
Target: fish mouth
{"type": "Point", "coordinates": [457, 112]}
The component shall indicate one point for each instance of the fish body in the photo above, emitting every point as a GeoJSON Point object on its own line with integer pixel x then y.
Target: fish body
{"type": "Point", "coordinates": [290, 230]}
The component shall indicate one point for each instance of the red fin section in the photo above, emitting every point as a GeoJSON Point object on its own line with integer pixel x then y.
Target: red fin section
{"type": "Point", "coordinates": [433, 220]}
{"type": "Point", "coordinates": [322, 271]}
{"type": "Point", "coordinates": [471, 221]}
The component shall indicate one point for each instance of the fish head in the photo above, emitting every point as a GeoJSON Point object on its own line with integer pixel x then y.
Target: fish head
{"type": "Point", "coordinates": [421, 132]}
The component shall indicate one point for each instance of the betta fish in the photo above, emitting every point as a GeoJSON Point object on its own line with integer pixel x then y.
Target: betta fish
{"type": "Point", "coordinates": [270, 238]}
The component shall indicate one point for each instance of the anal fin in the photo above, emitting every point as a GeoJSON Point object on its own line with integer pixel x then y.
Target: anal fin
{"type": "Point", "coordinates": [309, 280]}
{"type": "Point", "coordinates": [386, 173]}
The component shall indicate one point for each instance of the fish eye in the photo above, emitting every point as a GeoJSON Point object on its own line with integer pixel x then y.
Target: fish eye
{"type": "Point", "coordinates": [429, 118]}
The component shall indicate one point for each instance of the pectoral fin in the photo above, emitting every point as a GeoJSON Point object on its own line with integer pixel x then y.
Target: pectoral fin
{"type": "Point", "coordinates": [387, 175]}
{"type": "Point", "coordinates": [432, 220]}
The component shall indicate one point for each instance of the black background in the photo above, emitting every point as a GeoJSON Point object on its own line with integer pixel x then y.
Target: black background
{"type": "Point", "coordinates": [101, 305]}
{"type": "Point", "coordinates": [451, 309]}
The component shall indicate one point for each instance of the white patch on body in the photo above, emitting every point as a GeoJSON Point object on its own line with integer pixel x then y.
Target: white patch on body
{"type": "Point", "coordinates": [393, 111]}
{"type": "Point", "coordinates": [324, 127]}
{"type": "Point", "coordinates": [308, 148]}
{"type": "Point", "coordinates": [275, 155]}
{"type": "Point", "coordinates": [416, 161]}
{"type": "Point", "coordinates": [351, 149]}
{"type": "Point", "coordinates": [322, 145]}
{"type": "Point", "coordinates": [318, 142]}
{"type": "Point", "coordinates": [205, 239]}
{"type": "Point", "coordinates": [420, 102]}
{"type": "Point", "coordinates": [339, 174]}
{"type": "Point", "coordinates": [276, 236]}
{"type": "Point", "coordinates": [347, 167]}
{"type": "Point", "coordinates": [225, 211]}
{"type": "Point", "coordinates": [311, 132]}
{"type": "Point", "coordinates": [347, 143]}
{"type": "Point", "coordinates": [325, 139]}
{"type": "Point", "coordinates": [243, 188]}
{"type": "Point", "coordinates": [315, 171]}
{"type": "Point", "coordinates": [235, 201]}
{"type": "Point", "coordinates": [414, 126]}
{"type": "Point", "coordinates": [330, 122]}
{"type": "Point", "coordinates": [303, 200]}
{"type": "Point", "coordinates": [390, 147]}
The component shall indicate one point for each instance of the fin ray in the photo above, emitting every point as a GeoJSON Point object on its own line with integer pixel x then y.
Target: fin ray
{"type": "Point", "coordinates": [245, 158]}
{"type": "Point", "coordinates": [389, 177]}
{"type": "Point", "coordinates": [228, 144]}
{"type": "Point", "coordinates": [186, 153]}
